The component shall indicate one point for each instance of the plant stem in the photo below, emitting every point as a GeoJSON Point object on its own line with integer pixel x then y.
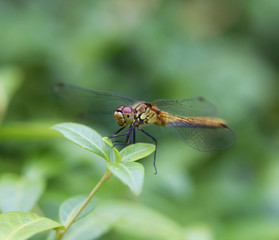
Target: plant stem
{"type": "Point", "coordinates": [105, 177]}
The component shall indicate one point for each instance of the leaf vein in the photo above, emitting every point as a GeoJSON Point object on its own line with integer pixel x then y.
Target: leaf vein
{"type": "Point", "coordinates": [129, 173]}
{"type": "Point", "coordinates": [88, 141]}
{"type": "Point", "coordinates": [21, 227]}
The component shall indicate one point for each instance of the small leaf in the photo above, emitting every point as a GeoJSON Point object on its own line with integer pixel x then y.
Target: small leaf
{"type": "Point", "coordinates": [85, 137]}
{"type": "Point", "coordinates": [19, 194]}
{"type": "Point", "coordinates": [130, 173]}
{"type": "Point", "coordinates": [69, 207]}
{"type": "Point", "coordinates": [108, 141]}
{"type": "Point", "coordinates": [136, 151]}
{"type": "Point", "coordinates": [88, 228]}
{"type": "Point", "coordinates": [116, 154]}
{"type": "Point", "coordinates": [20, 226]}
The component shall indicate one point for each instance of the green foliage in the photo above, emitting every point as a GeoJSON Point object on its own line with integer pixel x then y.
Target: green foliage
{"type": "Point", "coordinates": [85, 137]}
{"type": "Point", "coordinates": [87, 228]}
{"type": "Point", "coordinates": [129, 173]}
{"type": "Point", "coordinates": [21, 194]}
{"type": "Point", "coordinates": [115, 157]}
{"type": "Point", "coordinates": [20, 226]}
{"type": "Point", "coordinates": [131, 218]}
{"type": "Point", "coordinates": [133, 153]}
{"type": "Point", "coordinates": [124, 217]}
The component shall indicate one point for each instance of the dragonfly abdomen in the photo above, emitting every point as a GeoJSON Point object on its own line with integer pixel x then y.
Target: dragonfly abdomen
{"type": "Point", "coordinates": [195, 122]}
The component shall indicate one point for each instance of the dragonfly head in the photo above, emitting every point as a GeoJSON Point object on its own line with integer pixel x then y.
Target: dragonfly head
{"type": "Point", "coordinates": [124, 115]}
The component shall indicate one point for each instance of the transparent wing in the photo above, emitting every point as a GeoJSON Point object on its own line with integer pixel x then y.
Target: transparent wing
{"type": "Point", "coordinates": [93, 105]}
{"type": "Point", "coordinates": [206, 139]}
{"type": "Point", "coordinates": [190, 107]}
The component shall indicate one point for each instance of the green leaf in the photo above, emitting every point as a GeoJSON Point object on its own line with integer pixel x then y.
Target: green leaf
{"type": "Point", "coordinates": [19, 226]}
{"type": "Point", "coordinates": [84, 137]}
{"type": "Point", "coordinates": [130, 173]}
{"type": "Point", "coordinates": [116, 154]}
{"type": "Point", "coordinates": [108, 141]}
{"type": "Point", "coordinates": [87, 228]}
{"type": "Point", "coordinates": [136, 151]}
{"type": "Point", "coordinates": [19, 194]}
{"type": "Point", "coordinates": [69, 207]}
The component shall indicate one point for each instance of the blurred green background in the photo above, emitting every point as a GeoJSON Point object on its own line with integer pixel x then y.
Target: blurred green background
{"type": "Point", "coordinates": [226, 51]}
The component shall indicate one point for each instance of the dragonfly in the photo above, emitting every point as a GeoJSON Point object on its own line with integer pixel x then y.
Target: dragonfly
{"type": "Point", "coordinates": [192, 119]}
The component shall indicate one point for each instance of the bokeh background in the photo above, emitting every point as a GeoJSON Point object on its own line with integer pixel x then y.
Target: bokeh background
{"type": "Point", "coordinates": [226, 51]}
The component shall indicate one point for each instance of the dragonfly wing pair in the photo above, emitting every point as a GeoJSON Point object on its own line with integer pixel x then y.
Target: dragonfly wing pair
{"type": "Point", "coordinates": [202, 137]}
{"type": "Point", "coordinates": [93, 106]}
{"type": "Point", "coordinates": [191, 107]}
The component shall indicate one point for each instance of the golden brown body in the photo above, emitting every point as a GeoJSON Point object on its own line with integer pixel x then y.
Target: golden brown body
{"type": "Point", "coordinates": [148, 113]}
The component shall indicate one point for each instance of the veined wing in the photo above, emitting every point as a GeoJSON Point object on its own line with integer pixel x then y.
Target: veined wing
{"type": "Point", "coordinates": [91, 101]}
{"type": "Point", "coordinates": [204, 137]}
{"type": "Point", "coordinates": [189, 107]}
{"type": "Point", "coordinates": [88, 99]}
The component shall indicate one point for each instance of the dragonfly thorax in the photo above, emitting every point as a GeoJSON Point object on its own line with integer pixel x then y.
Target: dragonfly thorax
{"type": "Point", "coordinates": [123, 115]}
{"type": "Point", "coordinates": [146, 113]}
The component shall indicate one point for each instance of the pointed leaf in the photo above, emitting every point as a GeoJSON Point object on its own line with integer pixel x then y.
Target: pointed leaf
{"type": "Point", "coordinates": [71, 205]}
{"type": "Point", "coordinates": [85, 137]}
{"type": "Point", "coordinates": [130, 173]}
{"type": "Point", "coordinates": [136, 151]}
{"type": "Point", "coordinates": [116, 154]}
{"type": "Point", "coordinates": [19, 194]}
{"type": "Point", "coordinates": [108, 141]}
{"type": "Point", "coordinates": [20, 226]}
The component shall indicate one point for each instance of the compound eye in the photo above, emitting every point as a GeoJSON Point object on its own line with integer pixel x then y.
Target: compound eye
{"type": "Point", "coordinates": [127, 110]}
{"type": "Point", "coordinates": [119, 108]}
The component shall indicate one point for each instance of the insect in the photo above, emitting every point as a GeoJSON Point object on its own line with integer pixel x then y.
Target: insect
{"type": "Point", "coordinates": [192, 119]}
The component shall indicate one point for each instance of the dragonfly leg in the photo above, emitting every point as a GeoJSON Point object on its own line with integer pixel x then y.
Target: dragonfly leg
{"type": "Point", "coordinates": [121, 135]}
{"type": "Point", "coordinates": [129, 137]}
{"type": "Point", "coordinates": [155, 141]}
{"type": "Point", "coordinates": [118, 131]}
